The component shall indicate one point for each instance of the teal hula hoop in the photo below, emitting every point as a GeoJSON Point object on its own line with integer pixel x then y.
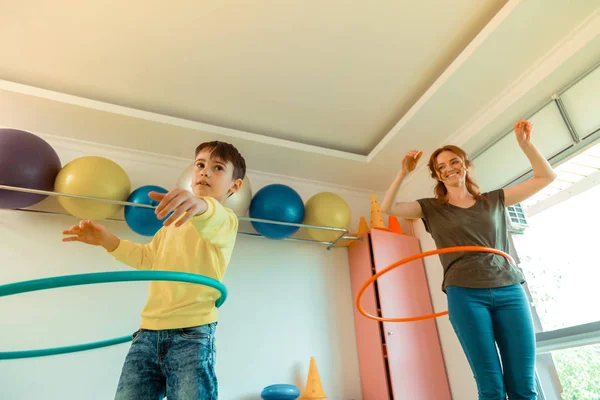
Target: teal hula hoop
{"type": "Point", "coordinates": [99, 277]}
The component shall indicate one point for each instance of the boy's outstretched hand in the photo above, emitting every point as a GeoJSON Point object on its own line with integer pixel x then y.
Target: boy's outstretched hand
{"type": "Point", "coordinates": [178, 201]}
{"type": "Point", "coordinates": [92, 233]}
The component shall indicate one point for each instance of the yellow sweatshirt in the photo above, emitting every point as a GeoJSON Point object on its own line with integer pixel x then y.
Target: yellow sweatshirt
{"type": "Point", "coordinates": [203, 245]}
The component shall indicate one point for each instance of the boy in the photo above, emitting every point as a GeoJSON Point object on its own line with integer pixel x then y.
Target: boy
{"type": "Point", "coordinates": [173, 352]}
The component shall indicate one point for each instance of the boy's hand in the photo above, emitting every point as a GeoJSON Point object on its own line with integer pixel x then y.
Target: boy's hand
{"type": "Point", "coordinates": [178, 201]}
{"type": "Point", "coordinates": [91, 233]}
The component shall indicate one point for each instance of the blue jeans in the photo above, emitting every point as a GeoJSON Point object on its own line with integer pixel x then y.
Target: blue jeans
{"type": "Point", "coordinates": [484, 318]}
{"type": "Point", "coordinates": [177, 363]}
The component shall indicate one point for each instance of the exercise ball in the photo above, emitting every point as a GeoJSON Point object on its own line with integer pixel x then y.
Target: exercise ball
{"type": "Point", "coordinates": [238, 202]}
{"type": "Point", "coordinates": [326, 209]}
{"type": "Point", "coordinates": [143, 220]}
{"type": "Point", "coordinates": [280, 392]}
{"type": "Point", "coordinates": [26, 161]}
{"type": "Point", "coordinates": [276, 203]}
{"type": "Point", "coordinates": [92, 176]}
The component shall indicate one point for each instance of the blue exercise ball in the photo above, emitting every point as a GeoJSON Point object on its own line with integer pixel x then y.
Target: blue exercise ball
{"type": "Point", "coordinates": [142, 220]}
{"type": "Point", "coordinates": [276, 203]}
{"type": "Point", "coordinates": [280, 391]}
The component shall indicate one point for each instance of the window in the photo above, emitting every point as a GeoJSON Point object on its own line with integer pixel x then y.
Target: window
{"type": "Point", "coordinates": [558, 254]}
{"type": "Point", "coordinates": [555, 238]}
{"type": "Point", "coordinates": [577, 375]}
{"type": "Point", "coordinates": [557, 251]}
{"type": "Point", "coordinates": [556, 138]}
{"type": "Point", "coordinates": [581, 103]}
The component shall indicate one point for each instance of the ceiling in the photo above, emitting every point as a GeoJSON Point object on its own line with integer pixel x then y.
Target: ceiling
{"type": "Point", "coordinates": [315, 90]}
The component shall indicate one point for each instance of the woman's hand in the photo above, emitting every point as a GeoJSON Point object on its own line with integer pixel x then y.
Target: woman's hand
{"type": "Point", "coordinates": [523, 130]}
{"type": "Point", "coordinates": [410, 160]}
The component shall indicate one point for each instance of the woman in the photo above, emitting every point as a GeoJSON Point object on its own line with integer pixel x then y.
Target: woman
{"type": "Point", "coordinates": [487, 305]}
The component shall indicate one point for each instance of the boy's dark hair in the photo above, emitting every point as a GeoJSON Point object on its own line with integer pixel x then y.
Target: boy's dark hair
{"type": "Point", "coordinates": [226, 152]}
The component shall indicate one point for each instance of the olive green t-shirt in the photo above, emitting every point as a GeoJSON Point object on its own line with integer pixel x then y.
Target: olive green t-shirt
{"type": "Point", "coordinates": [479, 225]}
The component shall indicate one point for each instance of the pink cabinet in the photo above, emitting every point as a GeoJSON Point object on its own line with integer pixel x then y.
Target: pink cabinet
{"type": "Point", "coordinates": [397, 360]}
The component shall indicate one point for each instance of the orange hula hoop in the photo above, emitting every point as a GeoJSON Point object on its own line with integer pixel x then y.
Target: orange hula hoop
{"type": "Point", "coordinates": [406, 260]}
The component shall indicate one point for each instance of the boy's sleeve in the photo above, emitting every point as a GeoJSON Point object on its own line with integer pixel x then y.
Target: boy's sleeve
{"type": "Point", "coordinates": [138, 256]}
{"type": "Point", "coordinates": [217, 224]}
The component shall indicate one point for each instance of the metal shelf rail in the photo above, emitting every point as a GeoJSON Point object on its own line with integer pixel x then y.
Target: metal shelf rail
{"type": "Point", "coordinates": [344, 234]}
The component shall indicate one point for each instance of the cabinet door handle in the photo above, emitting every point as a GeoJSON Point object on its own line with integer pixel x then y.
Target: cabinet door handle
{"type": "Point", "coordinates": [390, 333]}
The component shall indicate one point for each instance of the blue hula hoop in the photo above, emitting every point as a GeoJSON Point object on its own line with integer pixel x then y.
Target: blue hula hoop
{"type": "Point", "coordinates": [99, 277]}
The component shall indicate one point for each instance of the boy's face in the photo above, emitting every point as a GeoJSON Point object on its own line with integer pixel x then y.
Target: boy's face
{"type": "Point", "coordinates": [213, 177]}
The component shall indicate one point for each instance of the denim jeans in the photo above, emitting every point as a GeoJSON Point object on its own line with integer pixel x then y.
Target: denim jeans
{"type": "Point", "coordinates": [495, 329]}
{"type": "Point", "coordinates": [177, 363]}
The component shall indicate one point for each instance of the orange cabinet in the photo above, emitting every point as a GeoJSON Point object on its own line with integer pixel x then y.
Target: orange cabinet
{"type": "Point", "coordinates": [397, 360]}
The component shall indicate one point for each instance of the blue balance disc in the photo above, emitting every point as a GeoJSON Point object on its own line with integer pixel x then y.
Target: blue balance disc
{"type": "Point", "coordinates": [99, 277]}
{"type": "Point", "coordinates": [280, 391]}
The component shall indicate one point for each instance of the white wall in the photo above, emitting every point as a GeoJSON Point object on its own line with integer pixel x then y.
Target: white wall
{"type": "Point", "coordinates": [288, 301]}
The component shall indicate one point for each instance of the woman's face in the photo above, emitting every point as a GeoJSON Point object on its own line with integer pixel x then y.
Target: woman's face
{"type": "Point", "coordinates": [450, 169]}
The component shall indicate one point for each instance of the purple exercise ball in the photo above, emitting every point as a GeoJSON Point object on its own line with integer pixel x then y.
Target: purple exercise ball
{"type": "Point", "coordinates": [26, 161]}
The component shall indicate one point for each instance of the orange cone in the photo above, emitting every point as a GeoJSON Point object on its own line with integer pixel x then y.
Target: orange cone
{"type": "Point", "coordinates": [394, 225]}
{"type": "Point", "coordinates": [376, 220]}
{"type": "Point", "coordinates": [363, 228]}
{"type": "Point", "coordinates": [314, 388]}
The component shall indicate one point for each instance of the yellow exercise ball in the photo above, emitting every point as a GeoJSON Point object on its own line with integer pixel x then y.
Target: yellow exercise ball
{"type": "Point", "coordinates": [92, 176]}
{"type": "Point", "coordinates": [326, 209]}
